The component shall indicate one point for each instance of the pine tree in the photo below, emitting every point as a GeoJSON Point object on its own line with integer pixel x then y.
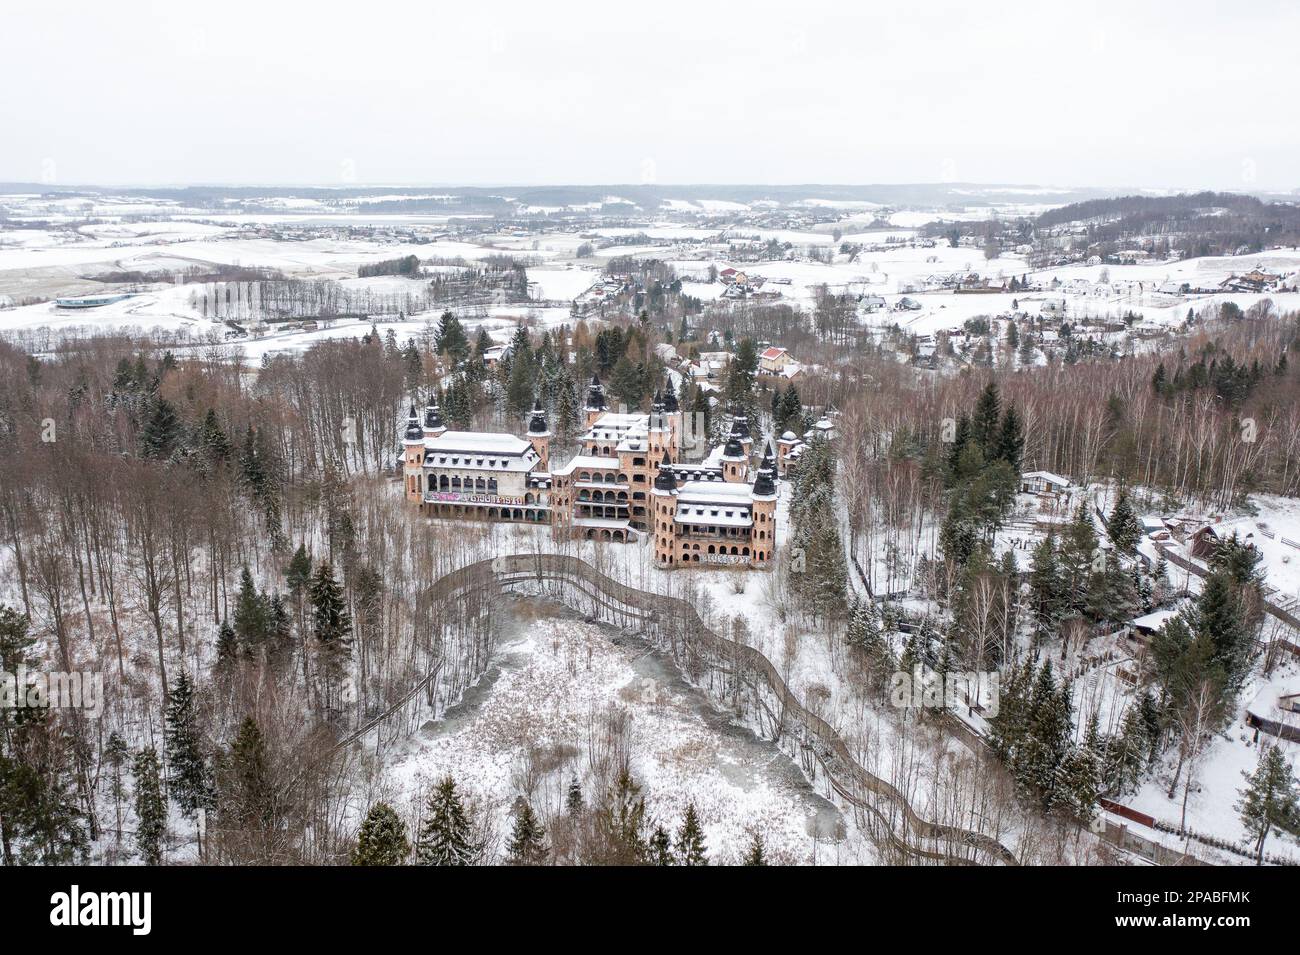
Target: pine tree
{"type": "Point", "coordinates": [659, 850]}
{"type": "Point", "coordinates": [451, 340]}
{"type": "Point", "coordinates": [573, 806]}
{"type": "Point", "coordinates": [690, 840]}
{"type": "Point", "coordinates": [447, 834]}
{"type": "Point", "coordinates": [625, 383]}
{"type": "Point", "coordinates": [247, 799]}
{"type": "Point", "coordinates": [1269, 798]}
{"type": "Point", "coordinates": [115, 755]}
{"type": "Point", "coordinates": [755, 854]}
{"type": "Point", "coordinates": [1010, 444]}
{"type": "Point", "coordinates": [527, 842]}
{"type": "Point", "coordinates": [212, 439]}
{"type": "Point", "coordinates": [984, 422]}
{"type": "Point", "coordinates": [1038, 760]}
{"type": "Point", "coordinates": [227, 647]}
{"type": "Point", "coordinates": [251, 622]}
{"type": "Point", "coordinates": [623, 821]}
{"type": "Point", "coordinates": [1077, 555]}
{"type": "Point", "coordinates": [163, 433]}
{"type": "Point", "coordinates": [150, 809]}
{"type": "Point", "coordinates": [298, 574]}
{"type": "Point", "coordinates": [1079, 783]}
{"type": "Point", "coordinates": [382, 838]}
{"type": "Point", "coordinates": [566, 406]}
{"type": "Point", "coordinates": [1123, 527]}
{"type": "Point", "coordinates": [331, 623]}
{"type": "Point", "coordinates": [189, 784]}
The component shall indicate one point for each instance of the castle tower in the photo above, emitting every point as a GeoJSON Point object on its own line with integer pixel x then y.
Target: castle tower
{"type": "Point", "coordinates": [595, 406]}
{"type": "Point", "coordinates": [740, 431]}
{"type": "Point", "coordinates": [433, 425]}
{"type": "Point", "coordinates": [762, 542]}
{"type": "Point", "coordinates": [661, 433]}
{"type": "Point", "coordinates": [413, 456]}
{"type": "Point", "coordinates": [784, 445]}
{"type": "Point", "coordinates": [664, 504]}
{"type": "Point", "coordinates": [539, 435]}
{"type": "Point", "coordinates": [673, 417]}
{"type": "Point", "coordinates": [734, 461]}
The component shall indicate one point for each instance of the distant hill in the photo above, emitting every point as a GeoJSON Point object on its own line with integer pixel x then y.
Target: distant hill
{"type": "Point", "coordinates": [1201, 223]}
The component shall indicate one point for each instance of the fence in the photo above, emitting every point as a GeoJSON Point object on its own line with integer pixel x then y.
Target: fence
{"type": "Point", "coordinates": [694, 645]}
{"type": "Point", "coordinates": [677, 626]}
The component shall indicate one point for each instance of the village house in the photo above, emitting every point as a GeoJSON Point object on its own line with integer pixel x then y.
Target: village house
{"type": "Point", "coordinates": [1043, 482]}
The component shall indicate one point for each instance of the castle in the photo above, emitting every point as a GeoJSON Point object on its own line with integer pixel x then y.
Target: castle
{"type": "Point", "coordinates": [626, 482]}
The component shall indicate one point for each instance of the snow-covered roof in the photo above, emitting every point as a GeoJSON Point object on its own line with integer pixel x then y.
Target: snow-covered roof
{"type": "Point", "coordinates": [712, 491]}
{"type": "Point", "coordinates": [477, 442]}
{"type": "Point", "coordinates": [591, 462]}
{"type": "Point", "coordinates": [719, 515]}
{"type": "Point", "coordinates": [1153, 621]}
{"type": "Point", "coordinates": [1047, 476]}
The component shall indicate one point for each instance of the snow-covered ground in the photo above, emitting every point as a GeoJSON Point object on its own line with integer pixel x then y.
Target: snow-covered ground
{"type": "Point", "coordinates": [314, 239]}
{"type": "Point", "coordinates": [553, 685]}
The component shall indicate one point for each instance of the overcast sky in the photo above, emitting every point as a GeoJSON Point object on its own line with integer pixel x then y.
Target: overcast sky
{"type": "Point", "coordinates": [1173, 94]}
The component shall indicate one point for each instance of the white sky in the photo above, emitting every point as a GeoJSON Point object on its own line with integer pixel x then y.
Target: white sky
{"type": "Point", "coordinates": [1172, 94]}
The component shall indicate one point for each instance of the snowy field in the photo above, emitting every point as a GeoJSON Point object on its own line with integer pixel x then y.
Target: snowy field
{"type": "Point", "coordinates": [315, 239]}
{"type": "Point", "coordinates": [553, 684]}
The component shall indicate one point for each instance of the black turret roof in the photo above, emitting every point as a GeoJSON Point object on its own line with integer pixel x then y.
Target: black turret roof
{"type": "Point", "coordinates": [664, 480]}
{"type": "Point", "coordinates": [595, 394]}
{"type": "Point", "coordinates": [413, 431]}
{"type": "Point", "coordinates": [740, 426]}
{"type": "Point", "coordinates": [764, 485]}
{"type": "Point", "coordinates": [537, 423]}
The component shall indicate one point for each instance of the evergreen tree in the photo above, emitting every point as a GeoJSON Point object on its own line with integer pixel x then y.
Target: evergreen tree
{"type": "Point", "coordinates": [298, 574]}
{"type": "Point", "coordinates": [566, 406]}
{"type": "Point", "coordinates": [227, 647]}
{"type": "Point", "coordinates": [1038, 761]}
{"type": "Point", "coordinates": [1010, 444]}
{"type": "Point", "coordinates": [247, 792]}
{"type": "Point", "coordinates": [1269, 799]}
{"type": "Point", "coordinates": [447, 834]}
{"type": "Point", "coordinates": [382, 838]}
{"type": "Point", "coordinates": [1077, 555]}
{"type": "Point", "coordinates": [626, 384]}
{"type": "Point", "coordinates": [251, 618]}
{"type": "Point", "coordinates": [623, 822]}
{"type": "Point", "coordinates": [1079, 783]}
{"type": "Point", "coordinates": [755, 854]}
{"type": "Point", "coordinates": [1123, 527]}
{"type": "Point", "coordinates": [163, 433]}
{"type": "Point", "coordinates": [1046, 589]}
{"type": "Point", "coordinates": [150, 809]}
{"type": "Point", "coordinates": [451, 340]}
{"type": "Point", "coordinates": [660, 851]}
{"type": "Point", "coordinates": [189, 783]}
{"type": "Point", "coordinates": [212, 439]}
{"type": "Point", "coordinates": [331, 623]}
{"type": "Point", "coordinates": [984, 422]}
{"type": "Point", "coordinates": [690, 840]}
{"type": "Point", "coordinates": [527, 842]}
{"type": "Point", "coordinates": [115, 756]}
{"type": "Point", "coordinates": [573, 806]}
